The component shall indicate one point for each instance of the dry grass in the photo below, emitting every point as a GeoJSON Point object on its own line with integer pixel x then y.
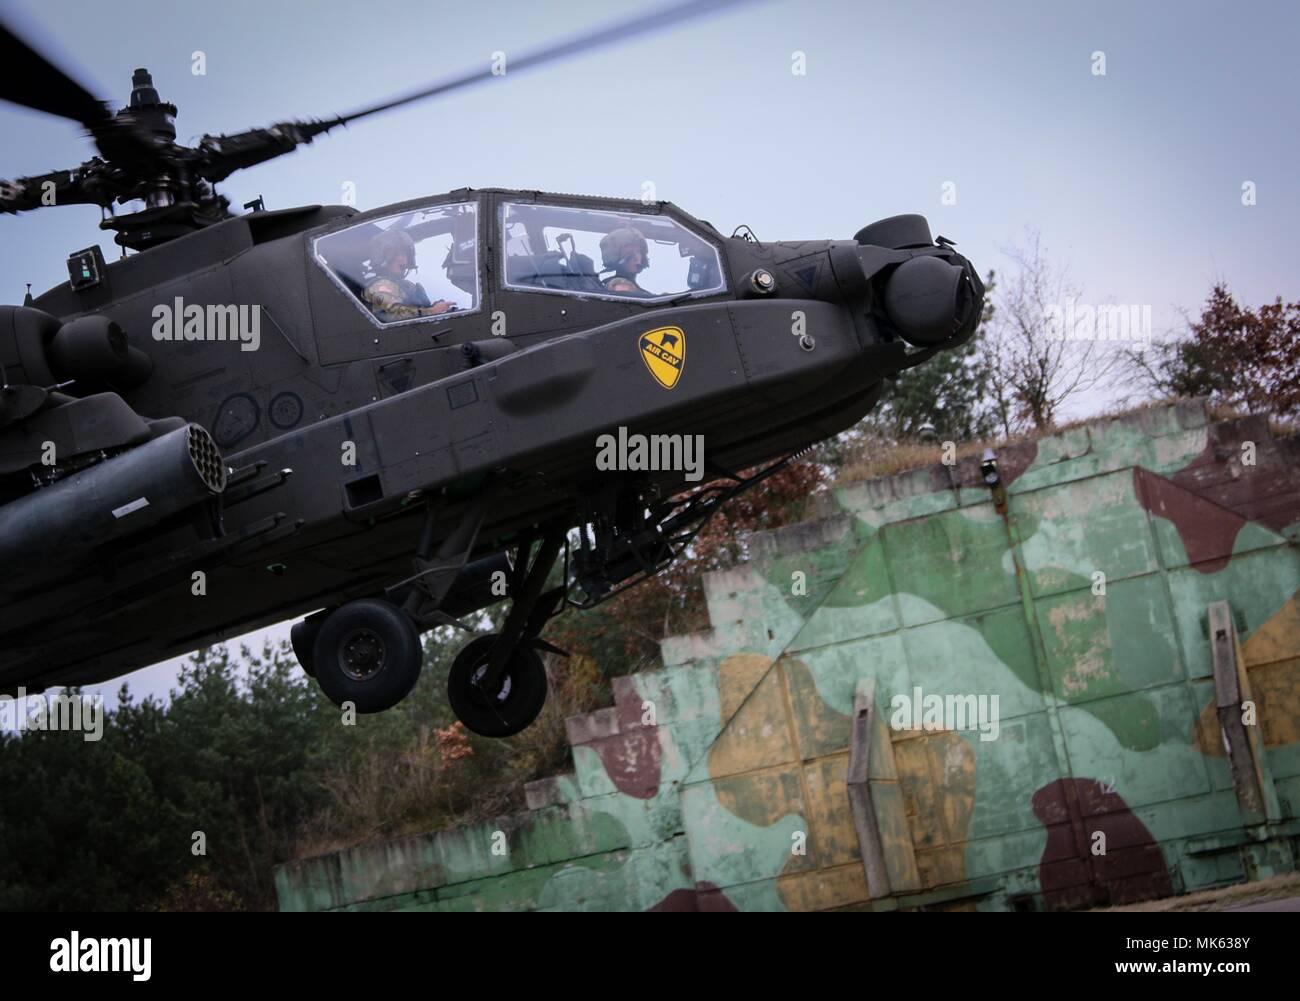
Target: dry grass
{"type": "Point", "coordinates": [1277, 427]}
{"type": "Point", "coordinates": [874, 458]}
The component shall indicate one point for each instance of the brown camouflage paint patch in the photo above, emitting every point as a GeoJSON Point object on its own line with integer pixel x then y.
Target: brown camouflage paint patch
{"type": "Point", "coordinates": [631, 757]}
{"type": "Point", "coordinates": [712, 900]}
{"type": "Point", "coordinates": [1208, 531]}
{"type": "Point", "coordinates": [705, 897]}
{"type": "Point", "coordinates": [1267, 492]}
{"type": "Point", "coordinates": [1133, 868]}
{"type": "Point", "coordinates": [1015, 460]}
{"type": "Point", "coordinates": [1217, 491]}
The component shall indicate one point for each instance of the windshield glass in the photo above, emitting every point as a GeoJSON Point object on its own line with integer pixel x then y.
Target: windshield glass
{"type": "Point", "coordinates": [404, 268]}
{"type": "Point", "coordinates": [607, 254]}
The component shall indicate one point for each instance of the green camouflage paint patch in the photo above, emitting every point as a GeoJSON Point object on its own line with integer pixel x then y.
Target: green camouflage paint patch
{"type": "Point", "coordinates": [1081, 609]}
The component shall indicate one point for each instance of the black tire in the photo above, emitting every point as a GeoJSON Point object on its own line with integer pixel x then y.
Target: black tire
{"type": "Point", "coordinates": [523, 689]}
{"type": "Point", "coordinates": [368, 653]}
{"type": "Point", "coordinates": [303, 639]}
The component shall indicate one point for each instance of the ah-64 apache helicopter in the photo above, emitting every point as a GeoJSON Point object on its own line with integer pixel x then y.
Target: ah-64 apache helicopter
{"type": "Point", "coordinates": [389, 452]}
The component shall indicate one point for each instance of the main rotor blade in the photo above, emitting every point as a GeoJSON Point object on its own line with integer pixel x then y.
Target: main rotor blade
{"type": "Point", "coordinates": [220, 156]}
{"type": "Point", "coordinates": [37, 83]}
{"type": "Point", "coordinates": [610, 35]}
{"type": "Point", "coordinates": [69, 188]}
{"type": "Point", "coordinates": [34, 82]}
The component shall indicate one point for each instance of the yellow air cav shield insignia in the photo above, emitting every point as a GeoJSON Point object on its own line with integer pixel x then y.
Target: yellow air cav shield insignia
{"type": "Point", "coordinates": [664, 353]}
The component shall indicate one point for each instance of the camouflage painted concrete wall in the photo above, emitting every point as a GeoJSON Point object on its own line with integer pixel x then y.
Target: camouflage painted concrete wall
{"type": "Point", "coordinates": [1077, 597]}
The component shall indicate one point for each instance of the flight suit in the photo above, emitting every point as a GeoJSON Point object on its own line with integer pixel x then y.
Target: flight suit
{"type": "Point", "coordinates": [620, 284]}
{"type": "Point", "coordinates": [393, 299]}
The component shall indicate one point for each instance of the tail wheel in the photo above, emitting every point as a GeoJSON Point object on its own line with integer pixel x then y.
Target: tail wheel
{"type": "Point", "coordinates": [368, 653]}
{"type": "Point", "coordinates": [519, 697]}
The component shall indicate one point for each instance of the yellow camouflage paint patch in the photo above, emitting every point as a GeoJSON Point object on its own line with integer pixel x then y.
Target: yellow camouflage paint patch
{"type": "Point", "coordinates": [664, 353]}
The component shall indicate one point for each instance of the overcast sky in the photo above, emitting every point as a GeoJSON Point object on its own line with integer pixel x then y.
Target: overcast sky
{"type": "Point", "coordinates": [1133, 178]}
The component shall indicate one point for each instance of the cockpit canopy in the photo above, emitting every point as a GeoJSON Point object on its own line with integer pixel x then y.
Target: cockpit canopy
{"type": "Point", "coordinates": [441, 258]}
{"type": "Point", "coordinates": [423, 264]}
{"type": "Point", "coordinates": [606, 254]}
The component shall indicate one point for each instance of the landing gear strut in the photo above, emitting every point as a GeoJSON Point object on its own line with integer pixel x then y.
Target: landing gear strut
{"type": "Point", "coordinates": [368, 651]}
{"type": "Point", "coordinates": [497, 684]}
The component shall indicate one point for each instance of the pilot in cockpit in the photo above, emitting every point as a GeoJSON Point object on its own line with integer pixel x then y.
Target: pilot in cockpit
{"type": "Point", "coordinates": [389, 295]}
{"type": "Point", "coordinates": [624, 251]}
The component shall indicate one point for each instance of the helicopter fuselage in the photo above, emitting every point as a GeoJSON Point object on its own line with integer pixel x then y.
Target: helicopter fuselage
{"type": "Point", "coordinates": [345, 437]}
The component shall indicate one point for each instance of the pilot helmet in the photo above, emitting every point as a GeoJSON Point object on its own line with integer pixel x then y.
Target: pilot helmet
{"type": "Point", "coordinates": [616, 245]}
{"type": "Point", "coordinates": [388, 243]}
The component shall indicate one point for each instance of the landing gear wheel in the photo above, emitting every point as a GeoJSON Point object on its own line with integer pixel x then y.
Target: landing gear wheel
{"type": "Point", "coordinates": [522, 691]}
{"type": "Point", "coordinates": [368, 653]}
{"type": "Point", "coordinates": [303, 639]}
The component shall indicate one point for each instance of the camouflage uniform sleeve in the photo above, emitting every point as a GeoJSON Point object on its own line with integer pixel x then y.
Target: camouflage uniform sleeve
{"type": "Point", "coordinates": [384, 298]}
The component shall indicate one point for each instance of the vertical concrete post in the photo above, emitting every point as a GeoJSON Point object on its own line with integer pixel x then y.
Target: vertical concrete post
{"type": "Point", "coordinates": [1245, 746]}
{"type": "Point", "coordinates": [864, 814]}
